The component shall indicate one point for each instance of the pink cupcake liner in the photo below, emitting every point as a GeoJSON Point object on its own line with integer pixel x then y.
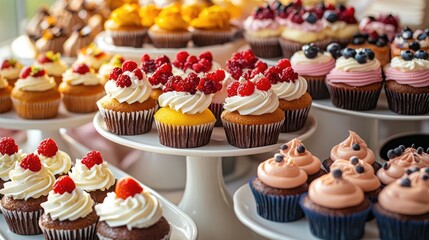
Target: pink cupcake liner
{"type": "Point", "coordinates": [211, 37]}
{"type": "Point", "coordinates": [184, 136]}
{"type": "Point", "coordinates": [23, 223]}
{"type": "Point", "coordinates": [88, 233]}
{"type": "Point", "coordinates": [407, 104]}
{"type": "Point", "coordinates": [170, 39]}
{"type": "Point", "coordinates": [5, 104]}
{"type": "Point", "coordinates": [82, 104]}
{"type": "Point", "coordinates": [217, 109]}
{"type": "Point", "coordinates": [295, 119]}
{"type": "Point", "coordinates": [128, 38]}
{"type": "Point", "coordinates": [36, 110]}
{"type": "Point", "coordinates": [353, 99]}
{"type": "Point", "coordinates": [317, 88]}
{"type": "Point", "coordinates": [264, 47]}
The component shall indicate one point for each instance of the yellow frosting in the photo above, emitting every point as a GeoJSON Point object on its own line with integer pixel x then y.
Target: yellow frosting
{"type": "Point", "coordinates": [191, 11]}
{"type": "Point", "coordinates": [171, 19]}
{"type": "Point", "coordinates": [126, 15]}
{"type": "Point", "coordinates": [214, 17]}
{"type": "Point", "coordinates": [148, 14]}
{"type": "Point", "coordinates": [167, 115]}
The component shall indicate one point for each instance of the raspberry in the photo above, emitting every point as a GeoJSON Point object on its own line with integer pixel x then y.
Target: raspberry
{"type": "Point", "coordinates": [272, 73]}
{"type": "Point", "coordinates": [246, 89]}
{"type": "Point", "coordinates": [47, 148]}
{"type": "Point", "coordinates": [31, 162]}
{"type": "Point", "coordinates": [81, 68]}
{"type": "Point", "coordinates": [161, 75]}
{"type": "Point", "coordinates": [261, 65]}
{"type": "Point", "coordinates": [206, 65]}
{"type": "Point", "coordinates": [232, 88]}
{"type": "Point", "coordinates": [149, 66]}
{"type": "Point", "coordinates": [92, 158]}
{"type": "Point", "coordinates": [348, 15]}
{"type": "Point", "coordinates": [234, 69]}
{"type": "Point", "coordinates": [129, 65]}
{"type": "Point", "coordinates": [190, 61]}
{"type": "Point", "coordinates": [64, 184]}
{"type": "Point", "coordinates": [250, 57]}
{"type": "Point", "coordinates": [288, 74]}
{"type": "Point", "coordinates": [43, 59]}
{"type": "Point", "coordinates": [247, 74]}
{"type": "Point", "coordinates": [194, 78]}
{"type": "Point", "coordinates": [37, 72]}
{"type": "Point", "coordinates": [171, 82]}
{"type": "Point", "coordinates": [138, 73]}
{"type": "Point", "coordinates": [25, 72]}
{"type": "Point", "coordinates": [207, 55]}
{"type": "Point", "coordinates": [127, 187]}
{"type": "Point", "coordinates": [263, 84]}
{"type": "Point", "coordinates": [218, 75]}
{"type": "Point", "coordinates": [115, 73]}
{"type": "Point", "coordinates": [178, 64]}
{"type": "Point", "coordinates": [283, 63]}
{"type": "Point", "coordinates": [209, 85]}
{"type": "Point", "coordinates": [198, 67]}
{"type": "Point", "coordinates": [123, 81]}
{"type": "Point", "coordinates": [297, 18]}
{"type": "Point", "coordinates": [264, 13]}
{"type": "Point", "coordinates": [188, 84]}
{"type": "Point", "coordinates": [145, 58]}
{"type": "Point", "coordinates": [182, 56]}
{"type": "Point", "coordinates": [8, 146]}
{"type": "Point", "coordinates": [161, 60]}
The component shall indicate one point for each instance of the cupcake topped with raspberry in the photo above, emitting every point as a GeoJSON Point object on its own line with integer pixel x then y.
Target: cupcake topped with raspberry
{"type": "Point", "coordinates": [92, 56]}
{"type": "Point", "coordinates": [55, 160]}
{"type": "Point", "coordinates": [81, 74]}
{"type": "Point", "coordinates": [150, 65]}
{"type": "Point", "coordinates": [92, 175]}
{"type": "Point", "coordinates": [158, 71]}
{"type": "Point", "coordinates": [384, 24]}
{"type": "Point", "coordinates": [186, 63]}
{"type": "Point", "coordinates": [52, 64]}
{"type": "Point", "coordinates": [10, 69]}
{"type": "Point", "coordinates": [9, 155]}
{"type": "Point", "coordinates": [106, 68]}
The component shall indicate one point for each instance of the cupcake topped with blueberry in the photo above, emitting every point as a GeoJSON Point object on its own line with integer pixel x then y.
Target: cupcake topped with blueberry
{"type": "Point", "coordinates": [9, 155]}
{"type": "Point", "coordinates": [340, 24]}
{"type": "Point", "coordinates": [379, 44]}
{"type": "Point", "coordinates": [10, 69]}
{"type": "Point", "coordinates": [158, 71]}
{"type": "Point", "coordinates": [55, 160]}
{"type": "Point", "coordinates": [408, 39]}
{"type": "Point", "coordinates": [384, 24]}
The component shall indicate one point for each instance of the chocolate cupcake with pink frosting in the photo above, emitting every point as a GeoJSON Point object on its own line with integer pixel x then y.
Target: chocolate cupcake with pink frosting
{"type": "Point", "coordinates": [402, 210]}
{"type": "Point", "coordinates": [279, 185]}
{"type": "Point", "coordinates": [303, 158]}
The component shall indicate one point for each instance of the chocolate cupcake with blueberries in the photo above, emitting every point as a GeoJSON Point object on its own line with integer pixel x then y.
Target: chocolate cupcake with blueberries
{"type": "Point", "coordinates": [409, 40]}
{"type": "Point", "coordinates": [379, 44]}
{"type": "Point", "coordinates": [303, 159]}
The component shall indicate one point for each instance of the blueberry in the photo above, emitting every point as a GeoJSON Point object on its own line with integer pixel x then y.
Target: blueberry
{"type": "Point", "coordinates": [310, 17]}
{"type": "Point", "coordinates": [405, 182]}
{"type": "Point", "coordinates": [361, 57]}
{"type": "Point", "coordinates": [402, 147]}
{"type": "Point", "coordinates": [354, 160]}
{"type": "Point", "coordinates": [311, 52]}
{"type": "Point", "coordinates": [426, 31]}
{"type": "Point", "coordinates": [283, 147]}
{"type": "Point", "coordinates": [278, 157]}
{"type": "Point", "coordinates": [373, 40]}
{"type": "Point", "coordinates": [407, 34]}
{"type": "Point", "coordinates": [358, 40]}
{"type": "Point", "coordinates": [419, 150]}
{"type": "Point", "coordinates": [300, 149]}
{"type": "Point", "coordinates": [415, 46]}
{"type": "Point", "coordinates": [369, 53]}
{"type": "Point", "coordinates": [407, 55]}
{"type": "Point", "coordinates": [342, 7]}
{"type": "Point", "coordinates": [386, 165]}
{"type": "Point", "coordinates": [427, 150]}
{"type": "Point", "coordinates": [414, 169]}
{"type": "Point", "coordinates": [371, 18]}
{"type": "Point", "coordinates": [337, 173]}
{"type": "Point", "coordinates": [334, 49]}
{"type": "Point", "coordinates": [425, 177]}
{"type": "Point", "coordinates": [384, 36]}
{"type": "Point", "coordinates": [356, 147]}
{"type": "Point", "coordinates": [427, 170]}
{"type": "Point", "coordinates": [330, 16]}
{"type": "Point", "coordinates": [360, 169]}
{"type": "Point", "coordinates": [348, 52]}
{"type": "Point", "coordinates": [397, 151]}
{"type": "Point", "coordinates": [421, 54]}
{"type": "Point", "coordinates": [391, 154]}
{"type": "Point", "coordinates": [422, 36]}
{"type": "Point", "coordinates": [413, 145]}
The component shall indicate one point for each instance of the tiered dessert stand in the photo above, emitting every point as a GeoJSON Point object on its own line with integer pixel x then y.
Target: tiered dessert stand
{"type": "Point", "coordinates": [205, 198]}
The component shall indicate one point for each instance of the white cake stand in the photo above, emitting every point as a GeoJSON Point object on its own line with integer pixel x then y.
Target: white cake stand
{"type": "Point", "coordinates": [205, 198]}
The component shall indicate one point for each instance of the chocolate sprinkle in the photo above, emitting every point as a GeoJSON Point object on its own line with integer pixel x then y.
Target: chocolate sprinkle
{"type": "Point", "coordinates": [356, 147]}
{"type": "Point", "coordinates": [283, 147]}
{"type": "Point", "coordinates": [278, 157]}
{"type": "Point", "coordinates": [337, 173]}
{"type": "Point", "coordinates": [360, 169]}
{"type": "Point", "coordinates": [419, 150]}
{"type": "Point", "coordinates": [300, 149]}
{"type": "Point", "coordinates": [405, 182]}
{"type": "Point", "coordinates": [386, 165]}
{"type": "Point", "coordinates": [354, 160]}
{"type": "Point", "coordinates": [391, 154]}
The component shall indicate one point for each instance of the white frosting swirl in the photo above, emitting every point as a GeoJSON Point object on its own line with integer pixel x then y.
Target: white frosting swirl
{"type": "Point", "coordinates": [3, 82]}
{"type": "Point", "coordinates": [351, 65]}
{"type": "Point", "coordinates": [68, 206]}
{"type": "Point", "coordinates": [7, 163]}
{"type": "Point", "coordinates": [185, 102]}
{"type": "Point", "coordinates": [290, 90]}
{"type": "Point", "coordinates": [87, 79]}
{"type": "Point", "coordinates": [11, 72]}
{"type": "Point", "coordinates": [300, 58]}
{"type": "Point", "coordinates": [139, 91]}
{"type": "Point", "coordinates": [60, 163]}
{"type": "Point", "coordinates": [140, 211]}
{"type": "Point", "coordinates": [99, 177]}
{"type": "Point", "coordinates": [56, 68]}
{"type": "Point", "coordinates": [260, 102]}
{"type": "Point", "coordinates": [36, 84]}
{"type": "Point", "coordinates": [409, 66]}
{"type": "Point", "coordinates": [26, 184]}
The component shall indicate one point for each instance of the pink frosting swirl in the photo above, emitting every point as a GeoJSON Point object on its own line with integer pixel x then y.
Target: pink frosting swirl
{"type": "Point", "coordinates": [252, 24]}
{"type": "Point", "coordinates": [283, 174]}
{"type": "Point", "coordinates": [412, 78]}
{"type": "Point", "coordinates": [345, 150]}
{"type": "Point", "coordinates": [318, 69]}
{"type": "Point", "coordinates": [409, 200]}
{"type": "Point", "coordinates": [357, 79]}
{"type": "Point", "coordinates": [304, 160]}
{"type": "Point", "coordinates": [336, 193]}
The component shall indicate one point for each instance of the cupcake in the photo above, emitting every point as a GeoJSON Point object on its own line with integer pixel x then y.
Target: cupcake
{"type": "Point", "coordinates": [9, 155]}
{"type": "Point", "coordinates": [92, 56]}
{"type": "Point", "coordinates": [313, 64]}
{"type": "Point", "coordinates": [80, 38]}
{"type": "Point", "coordinates": [29, 186]}
{"type": "Point", "coordinates": [33, 28]}
{"type": "Point", "coordinates": [128, 108]}
{"type": "Point", "coordinates": [170, 29]}
{"type": "Point", "coordinates": [35, 95]}
{"type": "Point", "coordinates": [125, 28]}
{"type": "Point", "coordinates": [92, 175]}
{"type": "Point", "coordinates": [384, 24]}
{"type": "Point", "coordinates": [354, 145]}
{"type": "Point", "coordinates": [409, 40]}
{"type": "Point", "coordinates": [379, 44]}
{"type": "Point", "coordinates": [333, 202]}
{"type": "Point", "coordinates": [252, 117]}
{"type": "Point", "coordinates": [355, 82]}
{"type": "Point", "coordinates": [5, 90]}
{"type": "Point", "coordinates": [303, 159]}
{"type": "Point", "coordinates": [340, 24]}
{"type": "Point", "coordinates": [130, 199]}
{"type": "Point", "coordinates": [278, 188]}
{"type": "Point", "coordinates": [400, 160]}
{"type": "Point", "coordinates": [53, 159]}
{"type": "Point", "coordinates": [105, 69]}
{"type": "Point", "coordinates": [68, 212]}
{"type": "Point", "coordinates": [10, 69]}
{"type": "Point", "coordinates": [212, 26]}
{"type": "Point", "coordinates": [407, 83]}
{"type": "Point", "coordinates": [158, 71]}
{"type": "Point", "coordinates": [52, 40]}
{"type": "Point", "coordinates": [69, 19]}
{"type": "Point", "coordinates": [184, 121]}
{"type": "Point", "coordinates": [52, 64]}
{"type": "Point", "coordinates": [291, 89]}
{"type": "Point", "coordinates": [81, 89]}
{"type": "Point", "coordinates": [402, 211]}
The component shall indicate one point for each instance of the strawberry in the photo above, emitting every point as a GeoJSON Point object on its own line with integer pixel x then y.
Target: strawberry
{"type": "Point", "coordinates": [64, 184]}
{"type": "Point", "coordinates": [92, 158]}
{"type": "Point", "coordinates": [25, 72]}
{"type": "Point", "coordinates": [6, 64]}
{"type": "Point", "coordinates": [8, 146]}
{"type": "Point", "coordinates": [123, 81]}
{"type": "Point", "coordinates": [129, 65]}
{"type": "Point", "coordinates": [232, 88]}
{"type": "Point", "coordinates": [31, 162]}
{"type": "Point", "coordinates": [47, 148]}
{"type": "Point", "coordinates": [81, 68]}
{"type": "Point", "coordinates": [116, 72]}
{"type": "Point", "coordinates": [37, 71]}
{"type": "Point", "coordinates": [246, 89]}
{"type": "Point", "coordinates": [127, 187]}
{"type": "Point", "coordinates": [43, 59]}
{"type": "Point", "coordinates": [263, 84]}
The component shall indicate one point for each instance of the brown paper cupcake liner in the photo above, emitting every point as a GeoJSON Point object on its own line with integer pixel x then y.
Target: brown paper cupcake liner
{"type": "Point", "coordinates": [128, 123]}
{"type": "Point", "coordinates": [353, 99]}
{"type": "Point", "coordinates": [217, 109]}
{"type": "Point", "coordinates": [208, 37]}
{"type": "Point", "coordinates": [170, 40]}
{"type": "Point", "coordinates": [407, 104]}
{"type": "Point", "coordinates": [128, 38]}
{"type": "Point", "coordinates": [289, 47]}
{"type": "Point", "coordinates": [5, 104]}
{"type": "Point", "coordinates": [249, 136]}
{"type": "Point", "coordinates": [88, 233]}
{"type": "Point", "coordinates": [55, 45]}
{"type": "Point", "coordinates": [264, 47]}
{"type": "Point", "coordinates": [295, 119]}
{"type": "Point", "coordinates": [101, 237]}
{"type": "Point", "coordinates": [184, 136]}
{"type": "Point", "coordinates": [82, 104]}
{"type": "Point", "coordinates": [317, 87]}
{"type": "Point", "coordinates": [36, 110]}
{"type": "Point", "coordinates": [23, 223]}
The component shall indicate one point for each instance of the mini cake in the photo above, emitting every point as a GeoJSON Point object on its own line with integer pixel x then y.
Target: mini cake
{"type": "Point", "coordinates": [80, 38]}
{"type": "Point", "coordinates": [340, 24]}
{"type": "Point", "coordinates": [379, 44]}
{"type": "Point", "coordinates": [68, 212]}
{"type": "Point", "coordinates": [52, 64]}
{"type": "Point", "coordinates": [303, 159]}
{"type": "Point", "coordinates": [252, 117]}
{"type": "Point", "coordinates": [277, 189]}
{"type": "Point", "coordinates": [355, 82]}
{"type": "Point", "coordinates": [35, 95]}
{"type": "Point", "coordinates": [313, 65]}
{"type": "Point", "coordinates": [105, 69]}
{"type": "Point", "coordinates": [262, 32]}
{"type": "Point", "coordinates": [333, 202]}
{"type": "Point", "coordinates": [29, 186]}
{"type": "Point", "coordinates": [130, 199]}
{"type": "Point", "coordinates": [184, 121]}
{"type": "Point", "coordinates": [92, 56]}
{"type": "Point", "coordinates": [92, 175]}
{"type": "Point", "coordinates": [354, 145]}
{"type": "Point", "coordinates": [53, 159]}
{"type": "Point", "coordinates": [409, 40]}
{"type": "Point", "coordinates": [387, 25]}
{"type": "Point", "coordinates": [9, 155]}
{"type": "Point", "coordinates": [10, 69]}
{"type": "Point", "coordinates": [81, 89]}
{"type": "Point", "coordinates": [128, 108]}
{"type": "Point", "coordinates": [407, 83]}
{"type": "Point", "coordinates": [52, 40]}
{"type": "Point", "coordinates": [402, 210]}
{"type": "Point", "coordinates": [125, 26]}
{"type": "Point", "coordinates": [5, 90]}
{"type": "Point", "coordinates": [158, 71]}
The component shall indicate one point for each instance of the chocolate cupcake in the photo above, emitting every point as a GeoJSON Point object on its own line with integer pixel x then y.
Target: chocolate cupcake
{"type": "Point", "coordinates": [9, 155]}
{"type": "Point", "coordinates": [55, 160]}
{"type": "Point", "coordinates": [52, 40]}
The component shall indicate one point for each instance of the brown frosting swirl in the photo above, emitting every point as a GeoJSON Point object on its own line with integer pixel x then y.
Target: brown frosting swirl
{"type": "Point", "coordinates": [302, 157]}
{"type": "Point", "coordinates": [353, 146]}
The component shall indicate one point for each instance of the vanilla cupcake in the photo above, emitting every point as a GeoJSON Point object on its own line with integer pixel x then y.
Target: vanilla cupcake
{"type": "Point", "coordinates": [92, 56]}
{"type": "Point", "coordinates": [55, 160]}
{"type": "Point", "coordinates": [10, 69]}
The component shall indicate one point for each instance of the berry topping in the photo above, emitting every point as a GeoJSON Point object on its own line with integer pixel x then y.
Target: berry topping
{"type": "Point", "coordinates": [246, 88]}
{"type": "Point", "coordinates": [354, 160]}
{"type": "Point", "coordinates": [361, 57]}
{"type": "Point", "coordinates": [138, 73]}
{"type": "Point", "coordinates": [31, 162]}
{"type": "Point", "coordinates": [47, 148]}
{"type": "Point", "coordinates": [334, 49]}
{"type": "Point", "coordinates": [356, 147]}
{"type": "Point", "coordinates": [161, 60]}
{"type": "Point", "coordinates": [127, 187]}
{"type": "Point", "coordinates": [397, 151]}
{"type": "Point", "coordinates": [8, 63]}
{"type": "Point", "coordinates": [385, 165]}
{"type": "Point", "coordinates": [240, 61]}
{"type": "Point", "coordinates": [8, 146]}
{"type": "Point", "coordinates": [405, 182]}
{"type": "Point", "coordinates": [283, 63]}
{"type": "Point", "coordinates": [402, 147]}
{"type": "Point", "coordinates": [43, 59]}
{"type": "Point", "coordinates": [64, 184]}
{"type": "Point", "coordinates": [182, 56]}
{"type": "Point", "coordinates": [297, 18]}
{"type": "Point", "coordinates": [288, 75]}
{"type": "Point", "coordinates": [358, 40]}
{"type": "Point", "coordinates": [278, 157]}
{"type": "Point", "coordinates": [148, 65]}
{"type": "Point", "coordinates": [263, 84]}
{"type": "Point", "coordinates": [330, 16]}
{"type": "Point", "coordinates": [369, 53]}
{"type": "Point", "coordinates": [211, 82]}
{"type": "Point", "coordinates": [187, 84]}
{"type": "Point", "coordinates": [264, 13]}
{"type": "Point", "coordinates": [348, 52]}
{"type": "Point", "coordinates": [348, 15]}
{"type": "Point", "coordinates": [263, 66]}
{"type": "Point", "coordinates": [412, 170]}
{"type": "Point", "coordinates": [420, 150]}
{"type": "Point", "coordinates": [273, 74]}
{"type": "Point", "coordinates": [407, 55]}
{"type": "Point", "coordinates": [207, 55]}
{"type": "Point", "coordinates": [25, 72]}
{"type": "Point", "coordinates": [310, 17]}
{"type": "Point", "coordinates": [425, 177]}
{"type": "Point", "coordinates": [421, 54]}
{"type": "Point", "coordinates": [422, 36]}
{"type": "Point", "coordinates": [92, 158]}
{"type": "Point", "coordinates": [360, 169]}
{"type": "Point", "coordinates": [415, 46]}
{"type": "Point", "coordinates": [123, 81]}
{"type": "Point", "coordinates": [81, 68]}
{"type": "Point", "coordinates": [391, 154]}
{"type": "Point", "coordinates": [310, 50]}
{"type": "Point", "coordinates": [300, 149]}
{"type": "Point", "coordinates": [115, 73]}
{"type": "Point", "coordinates": [161, 75]}
{"type": "Point", "coordinates": [283, 147]}
{"type": "Point", "coordinates": [407, 34]}
{"type": "Point", "coordinates": [389, 20]}
{"type": "Point", "coordinates": [129, 65]}
{"type": "Point", "coordinates": [337, 173]}
{"type": "Point", "coordinates": [232, 89]}
{"type": "Point", "coordinates": [413, 146]}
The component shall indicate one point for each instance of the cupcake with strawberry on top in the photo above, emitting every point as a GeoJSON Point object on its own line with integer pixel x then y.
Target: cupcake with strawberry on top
{"type": "Point", "coordinates": [55, 160]}
{"type": "Point", "coordinates": [10, 69]}
{"type": "Point", "coordinates": [9, 155]}
{"type": "Point", "coordinates": [158, 70]}
{"type": "Point", "coordinates": [52, 64]}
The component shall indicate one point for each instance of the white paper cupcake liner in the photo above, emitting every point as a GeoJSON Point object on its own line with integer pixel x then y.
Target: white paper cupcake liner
{"type": "Point", "coordinates": [23, 223]}
{"type": "Point", "coordinates": [88, 233]}
{"type": "Point", "coordinates": [184, 136]}
{"type": "Point", "coordinates": [36, 110]}
{"type": "Point", "coordinates": [82, 104]}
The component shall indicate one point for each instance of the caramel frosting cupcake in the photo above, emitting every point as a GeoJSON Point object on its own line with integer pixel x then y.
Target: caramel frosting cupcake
{"type": "Point", "coordinates": [303, 159]}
